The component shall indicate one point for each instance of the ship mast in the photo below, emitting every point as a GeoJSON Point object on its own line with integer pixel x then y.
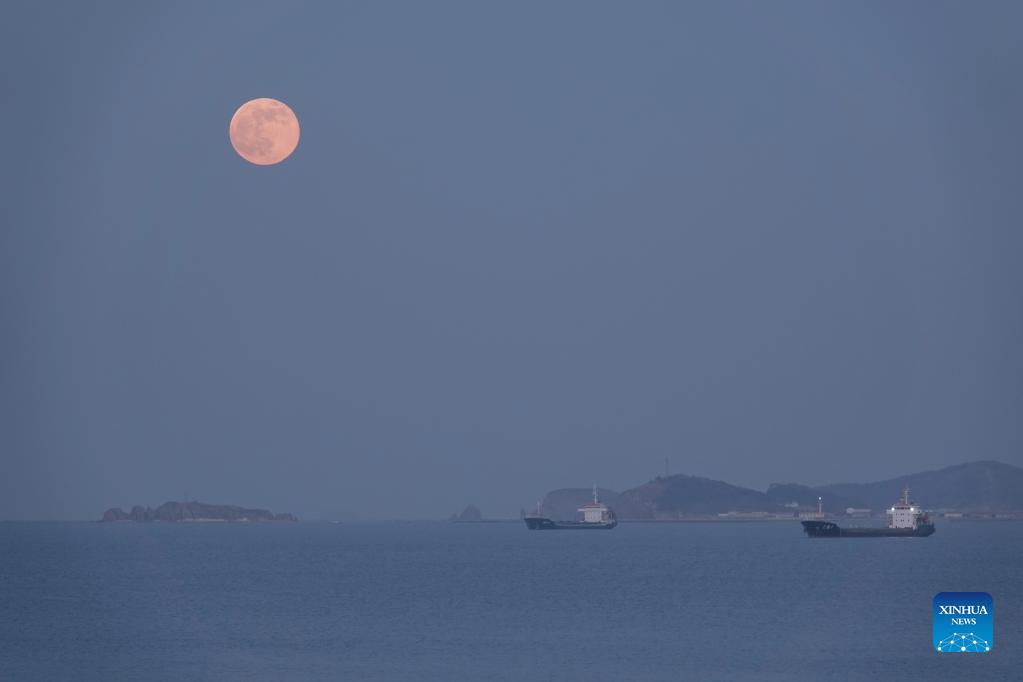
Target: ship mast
{"type": "Point", "coordinates": [905, 495]}
{"type": "Point", "coordinates": [595, 494]}
{"type": "Point", "coordinates": [820, 507]}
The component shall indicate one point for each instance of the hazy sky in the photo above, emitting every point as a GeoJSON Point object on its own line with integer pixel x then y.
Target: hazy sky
{"type": "Point", "coordinates": [520, 246]}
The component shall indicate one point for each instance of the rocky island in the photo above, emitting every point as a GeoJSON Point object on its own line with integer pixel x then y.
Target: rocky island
{"type": "Point", "coordinates": [471, 514]}
{"type": "Point", "coordinates": [174, 512]}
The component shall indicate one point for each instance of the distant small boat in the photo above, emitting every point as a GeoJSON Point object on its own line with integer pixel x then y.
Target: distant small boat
{"type": "Point", "coordinates": [596, 516]}
{"type": "Point", "coordinates": [905, 520]}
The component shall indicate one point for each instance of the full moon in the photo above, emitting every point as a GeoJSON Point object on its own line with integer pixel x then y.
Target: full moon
{"type": "Point", "coordinates": [264, 131]}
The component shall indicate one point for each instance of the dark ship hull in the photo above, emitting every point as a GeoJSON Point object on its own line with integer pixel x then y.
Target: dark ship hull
{"type": "Point", "coordinates": [827, 529]}
{"type": "Point", "coordinates": [543, 523]}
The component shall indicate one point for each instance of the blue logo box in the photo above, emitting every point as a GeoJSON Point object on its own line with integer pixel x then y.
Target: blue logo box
{"type": "Point", "coordinates": [963, 622]}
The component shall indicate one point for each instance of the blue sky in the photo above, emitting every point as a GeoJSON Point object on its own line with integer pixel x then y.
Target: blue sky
{"type": "Point", "coordinates": [520, 246]}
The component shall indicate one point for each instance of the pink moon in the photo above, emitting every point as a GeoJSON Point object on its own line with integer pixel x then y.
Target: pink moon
{"type": "Point", "coordinates": [264, 131]}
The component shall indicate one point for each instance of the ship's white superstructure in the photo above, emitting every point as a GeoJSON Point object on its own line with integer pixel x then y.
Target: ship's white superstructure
{"type": "Point", "coordinates": [904, 513]}
{"type": "Point", "coordinates": [596, 511]}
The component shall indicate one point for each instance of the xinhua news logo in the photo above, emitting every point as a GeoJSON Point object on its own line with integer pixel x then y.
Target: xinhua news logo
{"type": "Point", "coordinates": [963, 622]}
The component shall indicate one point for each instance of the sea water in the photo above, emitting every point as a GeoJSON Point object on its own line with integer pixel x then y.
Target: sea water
{"type": "Point", "coordinates": [494, 601]}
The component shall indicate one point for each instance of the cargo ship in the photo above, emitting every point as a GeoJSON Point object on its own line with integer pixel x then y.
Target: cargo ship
{"type": "Point", "coordinates": [596, 516]}
{"type": "Point", "coordinates": [905, 520]}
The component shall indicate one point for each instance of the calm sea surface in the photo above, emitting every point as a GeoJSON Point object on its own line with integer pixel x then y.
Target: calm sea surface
{"type": "Point", "coordinates": [437, 601]}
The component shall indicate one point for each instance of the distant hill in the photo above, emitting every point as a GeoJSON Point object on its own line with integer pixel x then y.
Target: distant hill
{"type": "Point", "coordinates": [563, 504]}
{"type": "Point", "coordinates": [193, 511]}
{"type": "Point", "coordinates": [671, 496]}
{"type": "Point", "coordinates": [806, 498]}
{"type": "Point", "coordinates": [972, 487]}
{"type": "Point", "coordinates": [975, 486]}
